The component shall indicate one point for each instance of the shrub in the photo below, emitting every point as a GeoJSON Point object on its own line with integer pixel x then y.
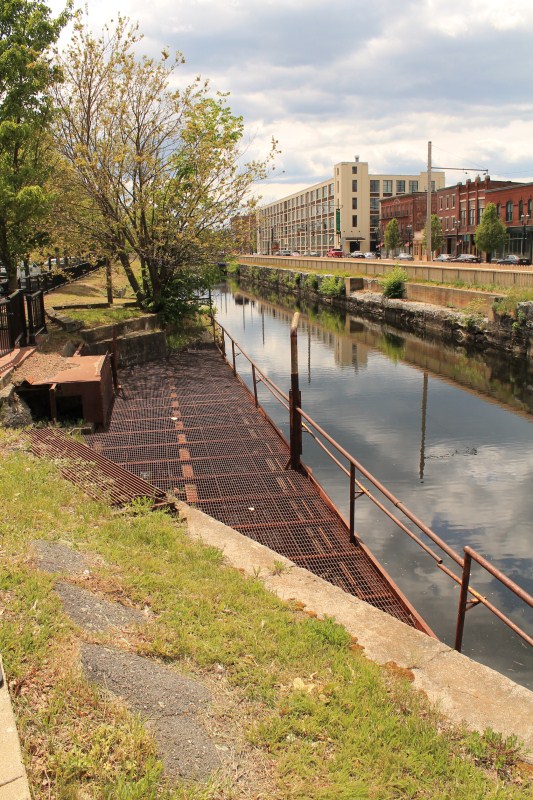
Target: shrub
{"type": "Point", "coordinates": [332, 286]}
{"type": "Point", "coordinates": [311, 282]}
{"type": "Point", "coordinates": [393, 282]}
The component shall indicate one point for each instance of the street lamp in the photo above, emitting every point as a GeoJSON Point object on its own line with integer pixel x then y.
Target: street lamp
{"type": "Point", "coordinates": [409, 229]}
{"type": "Point", "coordinates": [524, 219]}
{"type": "Point", "coordinates": [457, 225]}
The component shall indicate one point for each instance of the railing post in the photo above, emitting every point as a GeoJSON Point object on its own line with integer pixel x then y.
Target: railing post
{"type": "Point", "coordinates": [352, 502]}
{"type": "Point", "coordinates": [233, 354]}
{"type": "Point", "coordinates": [255, 386]}
{"type": "Point", "coordinates": [462, 602]}
{"type": "Point", "coordinates": [295, 399]}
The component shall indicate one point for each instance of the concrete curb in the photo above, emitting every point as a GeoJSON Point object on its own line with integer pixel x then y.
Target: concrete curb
{"type": "Point", "coordinates": [13, 780]}
{"type": "Point", "coordinates": [463, 690]}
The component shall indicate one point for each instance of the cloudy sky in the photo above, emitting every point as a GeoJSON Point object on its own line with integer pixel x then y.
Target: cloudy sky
{"type": "Point", "coordinates": [373, 78]}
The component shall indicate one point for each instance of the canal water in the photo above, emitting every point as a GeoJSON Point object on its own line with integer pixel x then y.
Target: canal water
{"type": "Point", "coordinates": [450, 434]}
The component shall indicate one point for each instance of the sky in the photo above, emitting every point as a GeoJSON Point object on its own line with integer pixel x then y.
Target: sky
{"type": "Point", "coordinates": [376, 79]}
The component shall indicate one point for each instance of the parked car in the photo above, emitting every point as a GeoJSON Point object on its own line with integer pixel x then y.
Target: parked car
{"type": "Point", "coordinates": [295, 253]}
{"type": "Point", "coordinates": [372, 255]}
{"type": "Point", "coordinates": [285, 253]}
{"type": "Point", "coordinates": [444, 257]}
{"type": "Point", "coordinates": [335, 252]}
{"type": "Point", "coordinates": [467, 258]}
{"type": "Point", "coordinates": [314, 254]}
{"type": "Point", "coordinates": [3, 281]}
{"type": "Point", "coordinates": [514, 260]}
{"type": "Point", "coordinates": [356, 254]}
{"type": "Point", "coordinates": [404, 257]}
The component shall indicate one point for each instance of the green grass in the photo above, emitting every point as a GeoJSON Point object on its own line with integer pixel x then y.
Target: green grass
{"type": "Point", "coordinates": [323, 722]}
{"type": "Point", "coordinates": [92, 318]}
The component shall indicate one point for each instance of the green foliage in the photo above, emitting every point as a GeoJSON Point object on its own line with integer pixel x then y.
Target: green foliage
{"type": "Point", "coordinates": [292, 280]}
{"type": "Point", "coordinates": [185, 294]}
{"type": "Point", "coordinates": [27, 32]}
{"type": "Point", "coordinates": [332, 286]}
{"type": "Point", "coordinates": [170, 172]}
{"type": "Point", "coordinates": [507, 304]}
{"type": "Point", "coordinates": [393, 282]}
{"type": "Point", "coordinates": [437, 235]}
{"type": "Point", "coordinates": [491, 233]}
{"type": "Point", "coordinates": [311, 282]}
{"type": "Point", "coordinates": [392, 237]}
{"type": "Point", "coordinates": [491, 749]}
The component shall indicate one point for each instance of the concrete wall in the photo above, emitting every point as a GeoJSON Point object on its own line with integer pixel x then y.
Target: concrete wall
{"type": "Point", "coordinates": [482, 275]}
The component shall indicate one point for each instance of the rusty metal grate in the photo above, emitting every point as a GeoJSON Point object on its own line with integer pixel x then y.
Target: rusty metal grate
{"type": "Point", "coordinates": [96, 475]}
{"type": "Point", "coordinates": [190, 427]}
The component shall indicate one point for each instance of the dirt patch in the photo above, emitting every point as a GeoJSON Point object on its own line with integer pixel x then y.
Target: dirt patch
{"type": "Point", "coordinates": [170, 705]}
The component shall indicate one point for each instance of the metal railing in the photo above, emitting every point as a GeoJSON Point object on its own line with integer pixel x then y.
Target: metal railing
{"type": "Point", "coordinates": [299, 419]}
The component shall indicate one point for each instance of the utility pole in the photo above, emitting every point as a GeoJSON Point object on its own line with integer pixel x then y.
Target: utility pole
{"type": "Point", "coordinates": [428, 210]}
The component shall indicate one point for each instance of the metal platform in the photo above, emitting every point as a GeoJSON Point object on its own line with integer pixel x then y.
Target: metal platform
{"type": "Point", "coordinates": [189, 427]}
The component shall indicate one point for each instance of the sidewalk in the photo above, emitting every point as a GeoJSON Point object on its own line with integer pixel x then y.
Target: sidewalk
{"type": "Point", "coordinates": [13, 781]}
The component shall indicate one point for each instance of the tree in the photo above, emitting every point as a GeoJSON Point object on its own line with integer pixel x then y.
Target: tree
{"type": "Point", "coordinates": [491, 233]}
{"type": "Point", "coordinates": [162, 168]}
{"type": "Point", "coordinates": [27, 32]}
{"type": "Point", "coordinates": [437, 236]}
{"type": "Point", "coordinates": [392, 238]}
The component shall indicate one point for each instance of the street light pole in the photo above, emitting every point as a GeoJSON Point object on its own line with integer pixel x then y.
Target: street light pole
{"type": "Point", "coordinates": [524, 218]}
{"type": "Point", "coordinates": [457, 224]}
{"type": "Point", "coordinates": [409, 229]}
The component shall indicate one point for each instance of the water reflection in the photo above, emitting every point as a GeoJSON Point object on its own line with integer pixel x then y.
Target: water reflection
{"type": "Point", "coordinates": [448, 432]}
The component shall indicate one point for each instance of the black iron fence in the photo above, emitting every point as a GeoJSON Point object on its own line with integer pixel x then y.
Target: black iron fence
{"type": "Point", "coordinates": [22, 314]}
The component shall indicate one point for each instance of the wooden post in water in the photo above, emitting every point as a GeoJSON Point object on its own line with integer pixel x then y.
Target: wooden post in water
{"type": "Point", "coordinates": [295, 399]}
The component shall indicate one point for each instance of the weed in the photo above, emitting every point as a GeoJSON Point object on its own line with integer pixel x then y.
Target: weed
{"type": "Point", "coordinates": [393, 282]}
{"type": "Point", "coordinates": [279, 567]}
{"type": "Point", "coordinates": [491, 749]}
{"type": "Point", "coordinates": [332, 286]}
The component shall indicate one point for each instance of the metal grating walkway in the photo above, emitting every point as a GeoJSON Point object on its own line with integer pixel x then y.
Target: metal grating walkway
{"type": "Point", "coordinates": [189, 427]}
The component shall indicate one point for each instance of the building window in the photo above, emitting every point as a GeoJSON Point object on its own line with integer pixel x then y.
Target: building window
{"type": "Point", "coordinates": [354, 220]}
{"type": "Point", "coordinates": [498, 210]}
{"type": "Point", "coordinates": [387, 187]}
{"type": "Point", "coordinates": [509, 211]}
{"type": "Point", "coordinates": [447, 222]}
{"type": "Point", "coordinates": [330, 189]}
{"type": "Point", "coordinates": [354, 202]}
{"type": "Point", "coordinates": [400, 187]}
{"type": "Point", "coordinates": [520, 209]}
{"type": "Point", "coordinates": [453, 201]}
{"type": "Point", "coordinates": [529, 208]}
{"type": "Point", "coordinates": [440, 203]}
{"type": "Point", "coordinates": [374, 187]}
{"type": "Point", "coordinates": [354, 170]}
{"type": "Point", "coordinates": [354, 186]}
{"type": "Point", "coordinates": [324, 191]}
{"type": "Point", "coordinates": [413, 186]}
{"type": "Point", "coordinates": [447, 201]}
{"type": "Point", "coordinates": [374, 204]}
{"type": "Point", "coordinates": [472, 216]}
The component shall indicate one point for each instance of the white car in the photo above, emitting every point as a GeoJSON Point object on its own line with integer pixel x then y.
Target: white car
{"type": "Point", "coordinates": [404, 257]}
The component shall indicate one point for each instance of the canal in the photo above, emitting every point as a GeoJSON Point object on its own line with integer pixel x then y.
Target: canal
{"type": "Point", "coordinates": [449, 433]}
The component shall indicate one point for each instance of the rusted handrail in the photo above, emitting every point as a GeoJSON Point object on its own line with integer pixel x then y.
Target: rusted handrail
{"type": "Point", "coordinates": [310, 426]}
{"type": "Point", "coordinates": [507, 582]}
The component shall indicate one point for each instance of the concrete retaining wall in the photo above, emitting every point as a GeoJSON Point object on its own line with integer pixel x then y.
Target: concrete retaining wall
{"type": "Point", "coordinates": [482, 275]}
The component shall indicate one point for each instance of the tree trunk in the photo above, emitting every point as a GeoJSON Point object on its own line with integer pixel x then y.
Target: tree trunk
{"type": "Point", "coordinates": [125, 262]}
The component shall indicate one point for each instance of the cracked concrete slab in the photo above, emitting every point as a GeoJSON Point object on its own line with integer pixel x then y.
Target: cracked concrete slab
{"type": "Point", "coordinates": [96, 614]}
{"type": "Point", "coordinates": [171, 705]}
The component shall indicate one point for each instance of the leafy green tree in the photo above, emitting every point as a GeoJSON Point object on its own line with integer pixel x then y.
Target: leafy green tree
{"type": "Point", "coordinates": [437, 236]}
{"type": "Point", "coordinates": [162, 168]}
{"type": "Point", "coordinates": [491, 233]}
{"type": "Point", "coordinates": [27, 32]}
{"type": "Point", "coordinates": [392, 237]}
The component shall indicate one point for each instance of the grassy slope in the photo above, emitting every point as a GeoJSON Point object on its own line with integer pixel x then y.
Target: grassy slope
{"type": "Point", "coordinates": [329, 724]}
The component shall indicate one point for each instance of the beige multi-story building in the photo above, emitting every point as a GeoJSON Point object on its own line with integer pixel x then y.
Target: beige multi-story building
{"type": "Point", "coordinates": [342, 211]}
